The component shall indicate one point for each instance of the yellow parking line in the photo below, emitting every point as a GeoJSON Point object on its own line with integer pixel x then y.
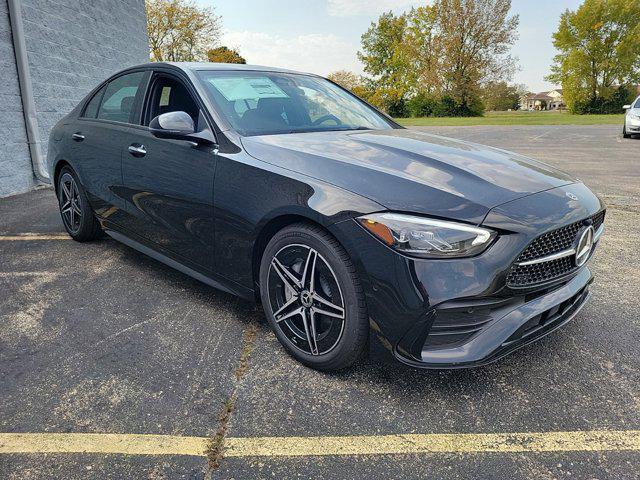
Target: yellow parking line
{"type": "Point", "coordinates": [478, 443]}
{"type": "Point", "coordinates": [32, 237]}
{"type": "Point", "coordinates": [128, 444]}
{"type": "Point", "coordinates": [435, 443]}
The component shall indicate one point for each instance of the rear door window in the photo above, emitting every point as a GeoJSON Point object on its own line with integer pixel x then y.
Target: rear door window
{"type": "Point", "coordinates": [119, 98]}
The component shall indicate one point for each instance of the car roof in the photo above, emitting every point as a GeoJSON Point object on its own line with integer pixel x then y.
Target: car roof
{"type": "Point", "coordinates": [199, 66]}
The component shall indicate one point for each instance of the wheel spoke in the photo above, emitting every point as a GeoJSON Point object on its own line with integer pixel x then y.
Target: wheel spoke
{"type": "Point", "coordinates": [310, 330]}
{"type": "Point", "coordinates": [76, 209]}
{"type": "Point", "coordinates": [66, 191]}
{"type": "Point", "coordinates": [328, 313]}
{"type": "Point", "coordinates": [292, 313]}
{"type": "Point", "coordinates": [284, 307]}
{"type": "Point", "coordinates": [338, 312]}
{"type": "Point", "coordinates": [287, 277]}
{"type": "Point", "coordinates": [309, 270]}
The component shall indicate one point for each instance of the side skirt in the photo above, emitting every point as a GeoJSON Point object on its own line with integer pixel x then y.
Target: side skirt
{"type": "Point", "coordinates": [237, 290]}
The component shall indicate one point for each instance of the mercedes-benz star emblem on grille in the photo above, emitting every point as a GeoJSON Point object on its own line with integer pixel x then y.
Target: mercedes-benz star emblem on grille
{"type": "Point", "coordinates": [571, 196]}
{"type": "Point", "coordinates": [585, 244]}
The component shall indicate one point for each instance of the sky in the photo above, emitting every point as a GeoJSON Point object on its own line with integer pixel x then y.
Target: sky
{"type": "Point", "coordinates": [322, 36]}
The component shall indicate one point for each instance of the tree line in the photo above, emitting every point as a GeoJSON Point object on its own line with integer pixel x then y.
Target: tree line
{"type": "Point", "coordinates": [441, 59]}
{"type": "Point", "coordinates": [447, 58]}
{"type": "Point", "coordinates": [452, 58]}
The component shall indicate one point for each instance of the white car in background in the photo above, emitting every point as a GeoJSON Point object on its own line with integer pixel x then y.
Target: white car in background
{"type": "Point", "coordinates": [632, 119]}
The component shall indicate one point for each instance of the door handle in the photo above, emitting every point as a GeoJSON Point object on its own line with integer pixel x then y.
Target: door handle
{"type": "Point", "coordinates": [137, 150]}
{"type": "Point", "coordinates": [78, 137]}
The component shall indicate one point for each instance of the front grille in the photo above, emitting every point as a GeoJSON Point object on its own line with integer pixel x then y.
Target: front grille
{"type": "Point", "coordinates": [547, 244]}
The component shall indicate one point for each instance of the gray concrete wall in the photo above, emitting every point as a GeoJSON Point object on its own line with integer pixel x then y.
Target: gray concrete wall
{"type": "Point", "coordinates": [15, 165]}
{"type": "Point", "coordinates": [72, 45]}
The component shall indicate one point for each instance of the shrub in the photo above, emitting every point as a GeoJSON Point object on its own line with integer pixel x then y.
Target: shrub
{"type": "Point", "coordinates": [620, 97]}
{"type": "Point", "coordinates": [422, 105]}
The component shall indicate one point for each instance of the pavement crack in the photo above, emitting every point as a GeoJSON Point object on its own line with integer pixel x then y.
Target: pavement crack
{"type": "Point", "coordinates": [215, 447]}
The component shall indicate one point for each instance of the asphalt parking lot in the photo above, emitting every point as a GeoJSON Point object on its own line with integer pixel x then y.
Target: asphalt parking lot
{"type": "Point", "coordinates": [97, 338]}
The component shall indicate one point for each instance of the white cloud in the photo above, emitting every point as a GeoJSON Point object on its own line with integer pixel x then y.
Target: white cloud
{"type": "Point", "coordinates": [314, 53]}
{"type": "Point", "coordinates": [349, 8]}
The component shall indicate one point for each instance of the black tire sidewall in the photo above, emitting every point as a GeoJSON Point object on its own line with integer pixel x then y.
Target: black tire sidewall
{"type": "Point", "coordinates": [351, 343]}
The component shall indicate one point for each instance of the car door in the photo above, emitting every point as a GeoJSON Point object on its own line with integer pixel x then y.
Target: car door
{"type": "Point", "coordinates": [97, 137]}
{"type": "Point", "coordinates": [169, 183]}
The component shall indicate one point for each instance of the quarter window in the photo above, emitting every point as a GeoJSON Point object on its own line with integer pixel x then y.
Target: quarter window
{"type": "Point", "coordinates": [119, 98]}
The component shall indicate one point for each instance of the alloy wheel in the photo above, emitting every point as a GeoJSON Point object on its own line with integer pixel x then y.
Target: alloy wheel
{"type": "Point", "coordinates": [306, 299]}
{"type": "Point", "coordinates": [70, 203]}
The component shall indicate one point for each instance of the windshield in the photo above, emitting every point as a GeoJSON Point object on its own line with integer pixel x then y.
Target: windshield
{"type": "Point", "coordinates": [262, 103]}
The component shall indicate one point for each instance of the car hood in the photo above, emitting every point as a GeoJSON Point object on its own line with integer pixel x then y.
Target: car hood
{"type": "Point", "coordinates": [411, 171]}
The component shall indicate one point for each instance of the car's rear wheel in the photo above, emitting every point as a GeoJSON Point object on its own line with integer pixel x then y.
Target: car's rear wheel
{"type": "Point", "coordinates": [77, 215]}
{"type": "Point", "coordinates": [624, 132]}
{"type": "Point", "coordinates": [313, 299]}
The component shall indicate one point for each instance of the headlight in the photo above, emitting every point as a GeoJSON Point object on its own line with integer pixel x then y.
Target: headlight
{"type": "Point", "coordinates": [634, 116]}
{"type": "Point", "coordinates": [425, 237]}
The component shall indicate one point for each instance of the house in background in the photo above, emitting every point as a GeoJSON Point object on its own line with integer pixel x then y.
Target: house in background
{"type": "Point", "coordinates": [550, 100]}
{"type": "Point", "coordinates": [52, 53]}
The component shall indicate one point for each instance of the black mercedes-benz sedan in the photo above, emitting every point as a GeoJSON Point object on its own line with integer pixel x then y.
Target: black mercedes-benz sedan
{"type": "Point", "coordinates": [355, 234]}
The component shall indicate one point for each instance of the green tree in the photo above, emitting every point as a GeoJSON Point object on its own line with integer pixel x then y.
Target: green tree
{"type": "Point", "coordinates": [462, 45]}
{"type": "Point", "coordinates": [346, 79]}
{"type": "Point", "coordinates": [385, 60]}
{"type": "Point", "coordinates": [598, 51]}
{"type": "Point", "coordinates": [497, 96]}
{"type": "Point", "coordinates": [224, 55]}
{"type": "Point", "coordinates": [438, 57]}
{"type": "Point", "coordinates": [180, 30]}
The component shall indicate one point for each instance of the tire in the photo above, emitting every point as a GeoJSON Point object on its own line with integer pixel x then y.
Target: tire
{"type": "Point", "coordinates": [624, 132]}
{"type": "Point", "coordinates": [313, 299]}
{"type": "Point", "coordinates": [77, 215]}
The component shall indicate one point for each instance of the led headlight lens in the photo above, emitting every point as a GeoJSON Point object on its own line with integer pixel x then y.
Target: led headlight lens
{"type": "Point", "coordinates": [425, 237]}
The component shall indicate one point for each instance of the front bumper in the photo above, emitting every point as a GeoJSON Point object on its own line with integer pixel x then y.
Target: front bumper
{"type": "Point", "coordinates": [632, 125]}
{"type": "Point", "coordinates": [499, 328]}
{"type": "Point", "coordinates": [460, 312]}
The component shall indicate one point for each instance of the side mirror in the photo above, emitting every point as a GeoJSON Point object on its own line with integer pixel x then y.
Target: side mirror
{"type": "Point", "coordinates": [179, 126]}
{"type": "Point", "coordinates": [626, 107]}
{"type": "Point", "coordinates": [173, 125]}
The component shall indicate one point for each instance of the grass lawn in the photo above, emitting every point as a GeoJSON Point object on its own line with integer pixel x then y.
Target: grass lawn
{"type": "Point", "coordinates": [517, 118]}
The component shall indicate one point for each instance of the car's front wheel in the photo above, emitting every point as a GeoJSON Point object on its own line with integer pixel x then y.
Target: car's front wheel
{"type": "Point", "coordinates": [313, 299]}
{"type": "Point", "coordinates": [77, 215]}
{"type": "Point", "coordinates": [624, 132]}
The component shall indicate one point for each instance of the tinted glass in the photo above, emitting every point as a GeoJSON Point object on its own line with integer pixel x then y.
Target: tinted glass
{"type": "Point", "coordinates": [637, 105]}
{"type": "Point", "coordinates": [117, 102]}
{"type": "Point", "coordinates": [258, 103]}
{"type": "Point", "coordinates": [170, 95]}
{"type": "Point", "coordinates": [92, 107]}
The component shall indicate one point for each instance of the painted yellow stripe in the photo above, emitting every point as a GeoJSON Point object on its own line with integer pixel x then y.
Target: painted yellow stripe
{"type": "Point", "coordinates": [435, 443]}
{"type": "Point", "coordinates": [128, 444]}
{"type": "Point", "coordinates": [32, 237]}
{"type": "Point", "coordinates": [580, 441]}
